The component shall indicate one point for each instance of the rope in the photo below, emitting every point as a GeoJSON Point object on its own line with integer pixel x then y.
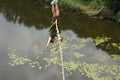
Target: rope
{"type": "Point", "coordinates": [61, 53]}
{"type": "Point", "coordinates": [52, 24]}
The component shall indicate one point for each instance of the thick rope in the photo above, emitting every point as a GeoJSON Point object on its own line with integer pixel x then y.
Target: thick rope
{"type": "Point", "coordinates": [52, 24]}
{"type": "Point", "coordinates": [61, 53]}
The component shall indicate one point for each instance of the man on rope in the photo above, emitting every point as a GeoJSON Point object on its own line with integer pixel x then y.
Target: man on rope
{"type": "Point", "coordinates": [53, 31]}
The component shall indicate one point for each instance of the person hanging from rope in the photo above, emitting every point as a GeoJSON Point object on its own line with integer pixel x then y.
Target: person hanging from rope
{"type": "Point", "coordinates": [53, 31]}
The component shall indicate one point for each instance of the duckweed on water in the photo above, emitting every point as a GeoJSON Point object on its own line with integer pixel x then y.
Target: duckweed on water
{"type": "Point", "coordinates": [78, 55]}
{"type": "Point", "coordinates": [35, 64]}
{"type": "Point", "coordinates": [102, 57]}
{"type": "Point", "coordinates": [98, 40]}
{"type": "Point", "coordinates": [116, 57]}
{"type": "Point", "coordinates": [117, 45]}
{"type": "Point", "coordinates": [54, 60]}
{"type": "Point", "coordinates": [80, 45]}
{"type": "Point", "coordinates": [76, 46]}
{"type": "Point", "coordinates": [95, 71]}
{"type": "Point", "coordinates": [18, 60]}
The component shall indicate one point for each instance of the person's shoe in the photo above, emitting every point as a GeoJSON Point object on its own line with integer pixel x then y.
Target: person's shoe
{"type": "Point", "coordinates": [52, 2]}
{"type": "Point", "coordinates": [56, 1]}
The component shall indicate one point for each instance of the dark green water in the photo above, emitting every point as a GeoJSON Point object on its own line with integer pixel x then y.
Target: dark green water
{"type": "Point", "coordinates": [24, 26]}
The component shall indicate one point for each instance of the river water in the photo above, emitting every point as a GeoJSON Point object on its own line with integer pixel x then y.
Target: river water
{"type": "Point", "coordinates": [24, 27]}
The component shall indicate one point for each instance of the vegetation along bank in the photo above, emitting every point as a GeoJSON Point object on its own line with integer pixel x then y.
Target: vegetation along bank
{"type": "Point", "coordinates": [100, 9]}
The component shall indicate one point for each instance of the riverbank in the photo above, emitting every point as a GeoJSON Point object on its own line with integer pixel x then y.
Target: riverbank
{"type": "Point", "coordinates": [109, 9]}
{"type": "Point", "coordinates": [96, 9]}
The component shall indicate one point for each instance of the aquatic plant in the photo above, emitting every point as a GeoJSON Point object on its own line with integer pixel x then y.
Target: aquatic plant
{"type": "Point", "coordinates": [54, 60]}
{"type": "Point", "coordinates": [99, 40]}
{"type": "Point", "coordinates": [17, 60]}
{"type": "Point", "coordinates": [95, 70]}
{"type": "Point", "coordinates": [35, 64]}
{"type": "Point", "coordinates": [78, 55]}
{"type": "Point", "coordinates": [102, 57]}
{"type": "Point", "coordinates": [115, 57]}
{"type": "Point", "coordinates": [117, 45]}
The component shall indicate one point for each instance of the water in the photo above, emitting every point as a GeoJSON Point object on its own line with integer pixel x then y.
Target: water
{"type": "Point", "coordinates": [24, 29]}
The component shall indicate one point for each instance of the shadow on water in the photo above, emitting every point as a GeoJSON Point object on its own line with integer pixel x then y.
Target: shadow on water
{"type": "Point", "coordinates": [24, 28]}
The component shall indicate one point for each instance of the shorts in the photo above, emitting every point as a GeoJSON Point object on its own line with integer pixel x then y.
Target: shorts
{"type": "Point", "coordinates": [54, 19]}
{"type": "Point", "coordinates": [52, 31]}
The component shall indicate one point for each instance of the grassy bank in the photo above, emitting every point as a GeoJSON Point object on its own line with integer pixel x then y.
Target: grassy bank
{"type": "Point", "coordinates": [96, 8]}
{"type": "Point", "coordinates": [101, 9]}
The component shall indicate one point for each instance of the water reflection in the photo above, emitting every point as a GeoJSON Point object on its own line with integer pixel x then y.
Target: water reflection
{"type": "Point", "coordinates": [31, 42]}
{"type": "Point", "coordinates": [29, 13]}
{"type": "Point", "coordinates": [34, 13]}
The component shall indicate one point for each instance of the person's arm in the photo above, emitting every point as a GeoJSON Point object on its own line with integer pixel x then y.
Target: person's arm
{"type": "Point", "coordinates": [48, 42]}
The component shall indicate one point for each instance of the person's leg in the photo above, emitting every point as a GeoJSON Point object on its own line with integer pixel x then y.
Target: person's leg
{"type": "Point", "coordinates": [53, 10]}
{"type": "Point", "coordinates": [57, 9]}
